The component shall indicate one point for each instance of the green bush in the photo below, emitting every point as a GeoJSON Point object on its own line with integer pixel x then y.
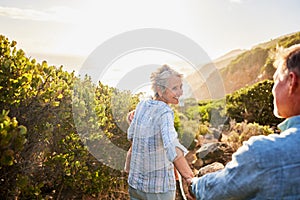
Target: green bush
{"type": "Point", "coordinates": [213, 112]}
{"type": "Point", "coordinates": [54, 162]}
{"type": "Point", "coordinates": [253, 104]}
{"type": "Point", "coordinates": [12, 139]}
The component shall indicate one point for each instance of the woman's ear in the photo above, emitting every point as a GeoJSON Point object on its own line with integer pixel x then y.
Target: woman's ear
{"type": "Point", "coordinates": [159, 91]}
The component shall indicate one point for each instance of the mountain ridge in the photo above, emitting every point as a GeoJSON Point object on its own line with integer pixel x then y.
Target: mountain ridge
{"type": "Point", "coordinates": [237, 69]}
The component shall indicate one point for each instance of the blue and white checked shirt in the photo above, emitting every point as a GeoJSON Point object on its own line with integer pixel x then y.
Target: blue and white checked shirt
{"type": "Point", "coordinates": [154, 139]}
{"type": "Point", "coordinates": [265, 167]}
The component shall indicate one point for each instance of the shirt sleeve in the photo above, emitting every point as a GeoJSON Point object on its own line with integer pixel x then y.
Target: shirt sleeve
{"type": "Point", "coordinates": [238, 180]}
{"type": "Point", "coordinates": [169, 136]}
{"type": "Point", "coordinates": [130, 131]}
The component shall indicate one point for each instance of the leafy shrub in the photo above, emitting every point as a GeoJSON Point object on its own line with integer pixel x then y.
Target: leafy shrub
{"type": "Point", "coordinates": [253, 104]}
{"type": "Point", "coordinates": [213, 111]}
{"type": "Point", "coordinates": [54, 162]}
{"type": "Point", "coordinates": [12, 139]}
{"type": "Point", "coordinates": [240, 132]}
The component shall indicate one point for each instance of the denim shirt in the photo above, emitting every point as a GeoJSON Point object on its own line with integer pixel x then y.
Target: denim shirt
{"type": "Point", "coordinates": [265, 167]}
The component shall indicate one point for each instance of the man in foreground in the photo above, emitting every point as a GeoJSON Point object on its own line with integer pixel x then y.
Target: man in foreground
{"type": "Point", "coordinates": [265, 167]}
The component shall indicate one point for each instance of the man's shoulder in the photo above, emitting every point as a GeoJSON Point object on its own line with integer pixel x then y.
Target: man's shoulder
{"type": "Point", "coordinates": [259, 146]}
{"type": "Point", "coordinates": [274, 140]}
{"type": "Point", "coordinates": [274, 149]}
{"type": "Point", "coordinates": [262, 139]}
{"type": "Point", "coordinates": [265, 143]}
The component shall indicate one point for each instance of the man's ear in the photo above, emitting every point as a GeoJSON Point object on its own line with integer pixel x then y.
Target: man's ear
{"type": "Point", "coordinates": [293, 82]}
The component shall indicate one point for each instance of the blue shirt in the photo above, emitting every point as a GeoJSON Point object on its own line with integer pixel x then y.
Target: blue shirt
{"type": "Point", "coordinates": [154, 140]}
{"type": "Point", "coordinates": [265, 167]}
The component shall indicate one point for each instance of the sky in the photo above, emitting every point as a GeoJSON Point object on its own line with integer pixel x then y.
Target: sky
{"type": "Point", "coordinates": [66, 32]}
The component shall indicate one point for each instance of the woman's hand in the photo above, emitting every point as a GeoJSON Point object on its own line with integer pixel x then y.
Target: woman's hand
{"type": "Point", "coordinates": [130, 116]}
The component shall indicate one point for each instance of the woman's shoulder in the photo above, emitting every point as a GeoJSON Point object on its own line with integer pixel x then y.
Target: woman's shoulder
{"type": "Point", "coordinates": [158, 107]}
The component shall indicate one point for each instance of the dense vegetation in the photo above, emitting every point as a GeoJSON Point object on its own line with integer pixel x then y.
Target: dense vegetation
{"type": "Point", "coordinates": [53, 125]}
{"type": "Point", "coordinates": [42, 156]}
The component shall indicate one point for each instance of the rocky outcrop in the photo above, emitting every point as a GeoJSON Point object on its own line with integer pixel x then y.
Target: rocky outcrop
{"type": "Point", "coordinates": [210, 168]}
{"type": "Point", "coordinates": [214, 152]}
{"type": "Point", "coordinates": [209, 157]}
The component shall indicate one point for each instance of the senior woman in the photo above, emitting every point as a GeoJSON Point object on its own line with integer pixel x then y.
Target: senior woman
{"type": "Point", "coordinates": [155, 147]}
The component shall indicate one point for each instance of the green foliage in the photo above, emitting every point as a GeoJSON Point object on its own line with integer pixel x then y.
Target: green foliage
{"type": "Point", "coordinates": [12, 139]}
{"type": "Point", "coordinates": [100, 117]}
{"type": "Point", "coordinates": [213, 111]}
{"type": "Point", "coordinates": [195, 118]}
{"type": "Point", "coordinates": [76, 169]}
{"type": "Point", "coordinates": [187, 130]}
{"type": "Point", "coordinates": [177, 120]}
{"type": "Point", "coordinates": [186, 119]}
{"type": "Point", "coordinates": [204, 129]}
{"type": "Point", "coordinates": [290, 40]}
{"type": "Point", "coordinates": [16, 73]}
{"type": "Point", "coordinates": [53, 163]}
{"type": "Point", "coordinates": [253, 104]}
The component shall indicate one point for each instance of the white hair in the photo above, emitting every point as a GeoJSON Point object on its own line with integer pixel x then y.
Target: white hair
{"type": "Point", "coordinates": [287, 59]}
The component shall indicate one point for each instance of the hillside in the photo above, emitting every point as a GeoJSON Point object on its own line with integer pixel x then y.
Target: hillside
{"type": "Point", "coordinates": [196, 81]}
{"type": "Point", "coordinates": [224, 60]}
{"type": "Point", "coordinates": [238, 69]}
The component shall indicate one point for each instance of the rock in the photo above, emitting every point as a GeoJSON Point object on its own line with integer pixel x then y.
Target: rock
{"type": "Point", "coordinates": [215, 152]}
{"type": "Point", "coordinates": [210, 168]}
{"type": "Point", "coordinates": [206, 149]}
{"type": "Point", "coordinates": [217, 134]}
{"type": "Point", "coordinates": [198, 163]}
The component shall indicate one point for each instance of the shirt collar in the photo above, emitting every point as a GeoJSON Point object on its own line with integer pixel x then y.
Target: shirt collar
{"type": "Point", "coordinates": [289, 122]}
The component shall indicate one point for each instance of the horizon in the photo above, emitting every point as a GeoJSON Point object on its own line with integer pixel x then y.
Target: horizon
{"type": "Point", "coordinates": [111, 78]}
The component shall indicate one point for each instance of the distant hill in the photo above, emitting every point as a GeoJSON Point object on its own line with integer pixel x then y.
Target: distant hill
{"type": "Point", "coordinates": [237, 69]}
{"type": "Point", "coordinates": [196, 80]}
{"type": "Point", "coordinates": [224, 60]}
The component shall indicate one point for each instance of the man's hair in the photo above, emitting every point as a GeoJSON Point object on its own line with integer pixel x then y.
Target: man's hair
{"type": "Point", "coordinates": [293, 61]}
{"type": "Point", "coordinates": [288, 59]}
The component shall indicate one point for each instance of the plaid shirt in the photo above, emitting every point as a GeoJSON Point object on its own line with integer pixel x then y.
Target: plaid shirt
{"type": "Point", "coordinates": [154, 139]}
